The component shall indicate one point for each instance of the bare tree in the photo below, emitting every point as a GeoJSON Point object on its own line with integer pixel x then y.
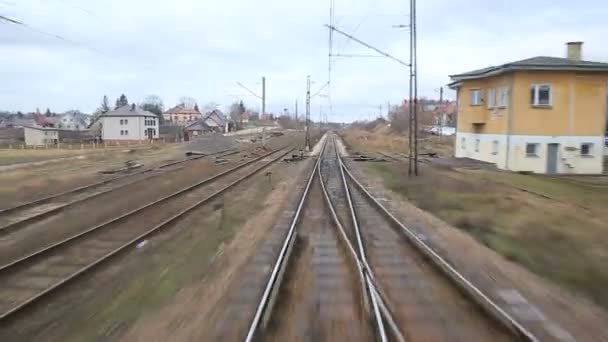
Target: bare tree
{"type": "Point", "coordinates": [210, 106]}
{"type": "Point", "coordinates": [187, 102]}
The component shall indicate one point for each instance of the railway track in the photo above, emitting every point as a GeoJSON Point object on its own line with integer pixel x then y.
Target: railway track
{"type": "Point", "coordinates": [28, 279]}
{"type": "Point", "coordinates": [19, 216]}
{"type": "Point", "coordinates": [404, 290]}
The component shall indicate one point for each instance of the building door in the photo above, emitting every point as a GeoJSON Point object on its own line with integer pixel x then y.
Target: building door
{"type": "Point", "coordinates": [552, 150]}
{"type": "Point", "coordinates": [150, 133]}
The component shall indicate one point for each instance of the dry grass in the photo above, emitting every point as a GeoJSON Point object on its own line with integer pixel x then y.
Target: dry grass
{"type": "Point", "coordinates": [546, 230]}
{"type": "Point", "coordinates": [555, 226]}
{"type": "Point", "coordinates": [381, 138]}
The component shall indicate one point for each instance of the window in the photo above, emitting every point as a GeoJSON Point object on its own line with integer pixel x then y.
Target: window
{"type": "Point", "coordinates": [121, 131]}
{"type": "Point", "coordinates": [532, 150]}
{"type": "Point", "coordinates": [126, 121]}
{"type": "Point", "coordinates": [463, 143]}
{"type": "Point", "coordinates": [540, 95]}
{"type": "Point", "coordinates": [586, 149]}
{"type": "Point", "coordinates": [477, 143]}
{"type": "Point", "coordinates": [491, 98]}
{"type": "Point", "coordinates": [121, 122]}
{"type": "Point", "coordinates": [503, 97]}
{"type": "Point", "coordinates": [475, 97]}
{"type": "Point", "coordinates": [495, 147]}
{"type": "Point", "coordinates": [126, 132]}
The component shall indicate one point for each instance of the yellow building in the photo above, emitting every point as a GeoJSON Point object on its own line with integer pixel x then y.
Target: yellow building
{"type": "Point", "coordinates": [542, 114]}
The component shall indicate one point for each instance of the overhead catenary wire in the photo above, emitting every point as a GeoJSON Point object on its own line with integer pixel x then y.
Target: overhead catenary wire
{"type": "Point", "coordinates": [49, 34]}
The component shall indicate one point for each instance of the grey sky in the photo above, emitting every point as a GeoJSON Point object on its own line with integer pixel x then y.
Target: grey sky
{"type": "Point", "coordinates": [200, 48]}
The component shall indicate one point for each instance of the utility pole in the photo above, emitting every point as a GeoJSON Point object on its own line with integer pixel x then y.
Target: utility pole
{"type": "Point", "coordinates": [296, 112]}
{"type": "Point", "coordinates": [263, 95]}
{"type": "Point", "coordinates": [413, 95]}
{"type": "Point", "coordinates": [307, 113]}
{"type": "Point", "coordinates": [441, 114]}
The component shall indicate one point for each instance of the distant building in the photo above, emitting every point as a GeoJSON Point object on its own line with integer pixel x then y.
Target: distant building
{"type": "Point", "coordinates": [129, 123]}
{"type": "Point", "coordinates": [216, 120]}
{"type": "Point", "coordinates": [197, 128]}
{"type": "Point", "coordinates": [266, 117]}
{"type": "Point", "coordinates": [542, 114]}
{"type": "Point", "coordinates": [74, 120]}
{"type": "Point", "coordinates": [181, 115]}
{"type": "Point", "coordinates": [40, 136]}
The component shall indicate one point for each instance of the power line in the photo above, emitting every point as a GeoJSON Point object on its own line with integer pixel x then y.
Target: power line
{"type": "Point", "coordinates": [387, 55]}
{"type": "Point", "coordinates": [53, 35]}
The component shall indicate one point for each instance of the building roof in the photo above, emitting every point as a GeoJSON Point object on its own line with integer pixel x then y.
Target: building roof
{"type": "Point", "coordinates": [128, 111]}
{"type": "Point", "coordinates": [181, 109]}
{"type": "Point", "coordinates": [217, 116]}
{"type": "Point", "coordinates": [199, 125]}
{"type": "Point", "coordinates": [534, 63]}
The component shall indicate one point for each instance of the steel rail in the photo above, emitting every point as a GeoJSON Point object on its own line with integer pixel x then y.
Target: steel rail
{"type": "Point", "coordinates": [145, 234]}
{"type": "Point", "coordinates": [273, 283]}
{"type": "Point", "coordinates": [379, 308]}
{"type": "Point", "coordinates": [39, 252]}
{"type": "Point", "coordinates": [474, 293]}
{"type": "Point", "coordinates": [97, 184]}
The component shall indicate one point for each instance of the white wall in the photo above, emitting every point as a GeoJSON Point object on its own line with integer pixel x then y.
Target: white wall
{"type": "Point", "coordinates": [515, 158]}
{"type": "Point", "coordinates": [38, 137]}
{"type": "Point", "coordinates": [135, 126]}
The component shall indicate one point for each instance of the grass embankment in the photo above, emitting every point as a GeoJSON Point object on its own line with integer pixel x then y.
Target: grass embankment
{"type": "Point", "coordinates": [555, 227]}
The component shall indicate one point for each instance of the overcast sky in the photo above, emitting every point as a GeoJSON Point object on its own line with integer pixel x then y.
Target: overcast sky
{"type": "Point", "coordinates": [201, 48]}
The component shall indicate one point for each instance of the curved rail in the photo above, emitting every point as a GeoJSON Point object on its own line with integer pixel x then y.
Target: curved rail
{"type": "Point", "coordinates": [43, 252]}
{"type": "Point", "coordinates": [11, 227]}
{"type": "Point", "coordinates": [475, 294]}
{"type": "Point", "coordinates": [273, 284]}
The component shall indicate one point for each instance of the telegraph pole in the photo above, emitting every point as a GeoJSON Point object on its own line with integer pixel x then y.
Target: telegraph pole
{"type": "Point", "coordinates": [307, 113]}
{"type": "Point", "coordinates": [263, 95]}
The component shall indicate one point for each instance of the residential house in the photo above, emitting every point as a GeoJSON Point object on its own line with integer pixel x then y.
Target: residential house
{"type": "Point", "coordinates": [266, 117]}
{"type": "Point", "coordinates": [74, 120]}
{"type": "Point", "coordinates": [197, 128]}
{"type": "Point", "coordinates": [216, 120]}
{"type": "Point", "coordinates": [129, 123]}
{"type": "Point", "coordinates": [541, 114]}
{"type": "Point", "coordinates": [40, 136]}
{"type": "Point", "coordinates": [181, 115]}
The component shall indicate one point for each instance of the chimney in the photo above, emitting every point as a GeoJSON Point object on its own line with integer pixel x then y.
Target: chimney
{"type": "Point", "coordinates": [133, 107]}
{"type": "Point", "coordinates": [574, 51]}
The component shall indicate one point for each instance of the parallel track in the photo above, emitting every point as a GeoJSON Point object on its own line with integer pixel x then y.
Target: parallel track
{"type": "Point", "coordinates": [429, 299]}
{"type": "Point", "coordinates": [19, 216]}
{"type": "Point", "coordinates": [33, 277]}
{"type": "Point", "coordinates": [409, 291]}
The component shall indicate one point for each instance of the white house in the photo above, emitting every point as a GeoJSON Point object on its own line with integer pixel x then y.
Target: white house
{"type": "Point", "coordinates": [129, 123]}
{"type": "Point", "coordinates": [40, 136]}
{"type": "Point", "coordinates": [74, 120]}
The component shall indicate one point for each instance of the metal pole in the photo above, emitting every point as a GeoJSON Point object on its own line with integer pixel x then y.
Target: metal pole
{"type": "Point", "coordinates": [307, 113]}
{"type": "Point", "coordinates": [263, 95]}
{"type": "Point", "coordinates": [410, 99]}
{"type": "Point", "coordinates": [414, 27]}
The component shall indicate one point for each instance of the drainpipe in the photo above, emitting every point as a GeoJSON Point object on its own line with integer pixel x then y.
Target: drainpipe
{"type": "Point", "coordinates": [509, 120]}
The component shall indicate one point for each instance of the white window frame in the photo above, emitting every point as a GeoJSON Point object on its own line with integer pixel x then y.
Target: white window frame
{"type": "Point", "coordinates": [126, 132]}
{"type": "Point", "coordinates": [535, 100]}
{"type": "Point", "coordinates": [536, 148]}
{"type": "Point", "coordinates": [495, 145]}
{"type": "Point", "coordinates": [590, 150]}
{"type": "Point", "coordinates": [503, 97]}
{"type": "Point", "coordinates": [477, 144]}
{"type": "Point", "coordinates": [475, 100]}
{"type": "Point", "coordinates": [491, 98]}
